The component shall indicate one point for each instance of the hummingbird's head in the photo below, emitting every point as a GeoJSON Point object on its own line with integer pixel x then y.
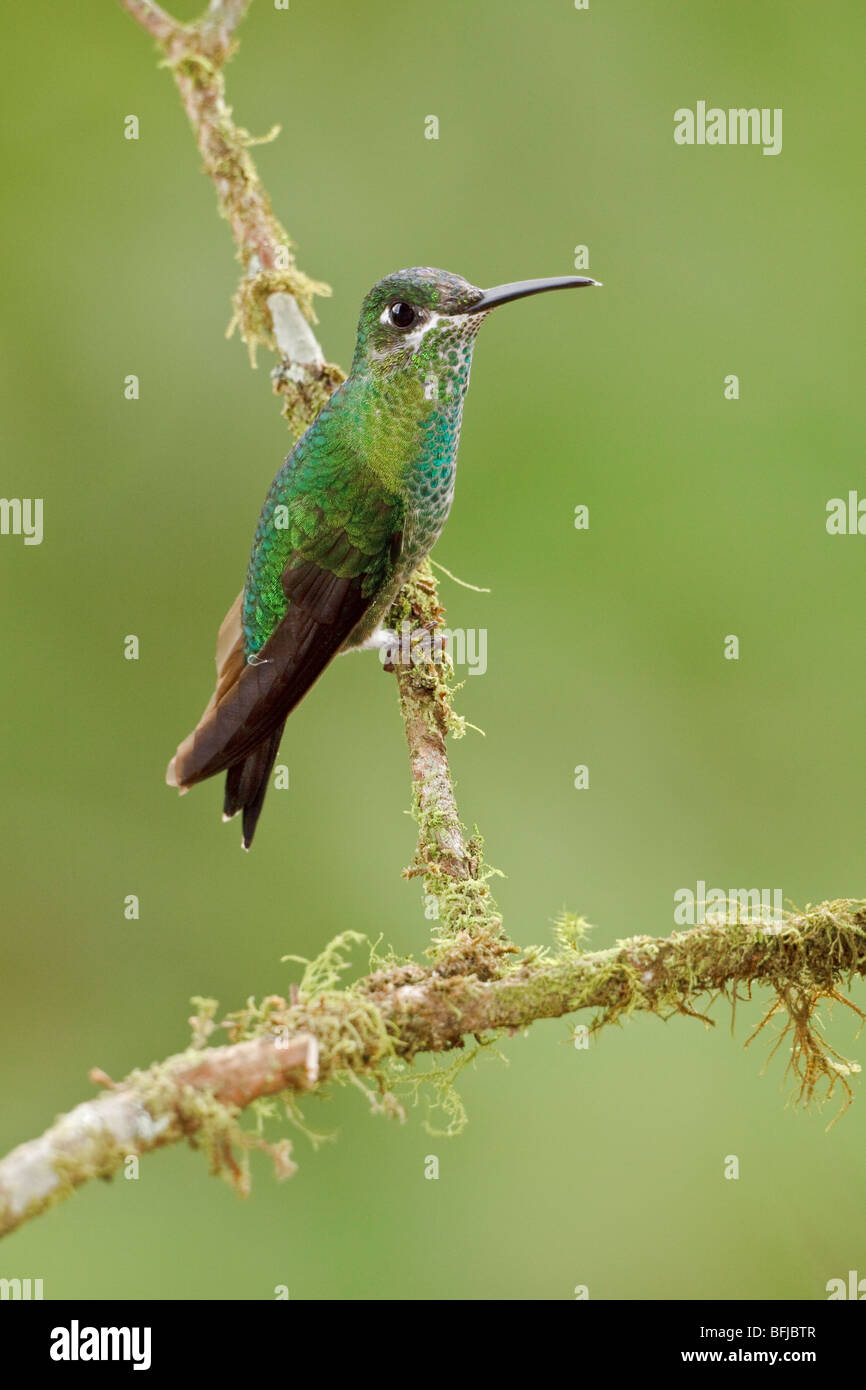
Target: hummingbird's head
{"type": "Point", "coordinates": [414, 317]}
{"type": "Point", "coordinates": [409, 309]}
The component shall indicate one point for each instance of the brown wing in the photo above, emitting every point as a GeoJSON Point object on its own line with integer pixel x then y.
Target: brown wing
{"type": "Point", "coordinates": [252, 700]}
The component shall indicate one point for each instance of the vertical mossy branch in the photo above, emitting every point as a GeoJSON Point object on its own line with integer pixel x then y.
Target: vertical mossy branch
{"type": "Point", "coordinates": [273, 304]}
{"type": "Point", "coordinates": [455, 881]}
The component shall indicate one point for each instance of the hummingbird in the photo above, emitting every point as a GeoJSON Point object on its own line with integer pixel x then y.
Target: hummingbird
{"type": "Point", "coordinates": [356, 507]}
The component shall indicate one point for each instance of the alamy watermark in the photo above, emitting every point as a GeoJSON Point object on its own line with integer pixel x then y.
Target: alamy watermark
{"type": "Point", "coordinates": [846, 516]}
{"type": "Point", "coordinates": [22, 516]}
{"type": "Point", "coordinates": [713, 125]}
{"type": "Point", "coordinates": [21, 1289]}
{"type": "Point", "coordinates": [77, 1343]}
{"type": "Point", "coordinates": [464, 646]}
{"type": "Point", "coordinates": [698, 906]}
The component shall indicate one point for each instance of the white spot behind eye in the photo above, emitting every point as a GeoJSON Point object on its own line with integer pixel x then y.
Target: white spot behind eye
{"type": "Point", "coordinates": [413, 339]}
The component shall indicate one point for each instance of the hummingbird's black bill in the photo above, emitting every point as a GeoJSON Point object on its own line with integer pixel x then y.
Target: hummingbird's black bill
{"type": "Point", "coordinates": [519, 289]}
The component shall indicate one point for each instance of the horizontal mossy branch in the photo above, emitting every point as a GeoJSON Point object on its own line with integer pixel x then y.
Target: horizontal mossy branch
{"type": "Point", "coordinates": [395, 1014]}
{"type": "Point", "coordinates": [194, 1095]}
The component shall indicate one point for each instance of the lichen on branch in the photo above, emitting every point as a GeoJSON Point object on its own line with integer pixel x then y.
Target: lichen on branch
{"type": "Point", "coordinates": [273, 304]}
{"type": "Point", "coordinates": [371, 1032]}
{"type": "Point", "coordinates": [456, 880]}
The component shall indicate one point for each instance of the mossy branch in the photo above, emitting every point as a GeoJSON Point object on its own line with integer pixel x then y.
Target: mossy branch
{"type": "Point", "coordinates": [370, 1031]}
{"type": "Point", "coordinates": [273, 304]}
{"type": "Point", "coordinates": [450, 863]}
{"type": "Point", "coordinates": [477, 982]}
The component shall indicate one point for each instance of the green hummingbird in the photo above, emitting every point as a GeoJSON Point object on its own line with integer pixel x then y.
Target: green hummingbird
{"type": "Point", "coordinates": [355, 508]}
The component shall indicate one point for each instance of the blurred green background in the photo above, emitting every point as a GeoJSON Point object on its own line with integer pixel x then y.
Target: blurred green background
{"type": "Point", "coordinates": [707, 518]}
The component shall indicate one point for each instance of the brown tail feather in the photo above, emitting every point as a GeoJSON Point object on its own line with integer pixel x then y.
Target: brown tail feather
{"type": "Point", "coordinates": [254, 698]}
{"type": "Point", "coordinates": [229, 664]}
{"type": "Point", "coordinates": [247, 784]}
{"type": "Point", "coordinates": [239, 732]}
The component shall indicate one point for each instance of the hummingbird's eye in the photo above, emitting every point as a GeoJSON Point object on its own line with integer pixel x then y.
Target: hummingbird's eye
{"type": "Point", "coordinates": [402, 315]}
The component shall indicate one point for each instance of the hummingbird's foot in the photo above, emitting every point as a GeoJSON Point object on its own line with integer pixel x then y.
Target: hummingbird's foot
{"type": "Point", "coordinates": [411, 647]}
{"type": "Point", "coordinates": [384, 641]}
